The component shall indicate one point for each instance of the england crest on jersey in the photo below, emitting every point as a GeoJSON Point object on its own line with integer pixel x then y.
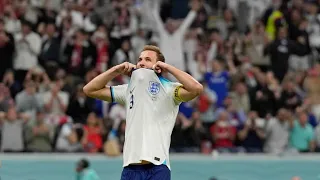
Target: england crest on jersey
{"type": "Point", "coordinates": [154, 87]}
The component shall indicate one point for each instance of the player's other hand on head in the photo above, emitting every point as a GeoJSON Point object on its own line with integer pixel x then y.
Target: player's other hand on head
{"type": "Point", "coordinates": [125, 68]}
{"type": "Point", "coordinates": [159, 67]}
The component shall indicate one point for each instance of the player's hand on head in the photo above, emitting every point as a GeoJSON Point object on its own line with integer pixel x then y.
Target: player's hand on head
{"type": "Point", "coordinates": [125, 68]}
{"type": "Point", "coordinates": [159, 67]}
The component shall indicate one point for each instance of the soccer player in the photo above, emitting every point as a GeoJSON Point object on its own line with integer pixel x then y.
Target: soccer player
{"type": "Point", "coordinates": [152, 104]}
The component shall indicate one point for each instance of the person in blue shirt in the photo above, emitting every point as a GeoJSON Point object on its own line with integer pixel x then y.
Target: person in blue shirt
{"type": "Point", "coordinates": [186, 108]}
{"type": "Point", "coordinates": [302, 135]}
{"type": "Point", "coordinates": [218, 79]}
{"type": "Point", "coordinates": [84, 172]}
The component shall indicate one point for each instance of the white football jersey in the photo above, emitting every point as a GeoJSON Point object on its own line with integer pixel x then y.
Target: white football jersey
{"type": "Point", "coordinates": [152, 104]}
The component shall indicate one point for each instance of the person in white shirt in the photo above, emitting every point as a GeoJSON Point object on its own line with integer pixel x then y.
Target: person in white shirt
{"type": "Point", "coordinates": [152, 104]}
{"type": "Point", "coordinates": [28, 47]}
{"type": "Point", "coordinates": [172, 38]}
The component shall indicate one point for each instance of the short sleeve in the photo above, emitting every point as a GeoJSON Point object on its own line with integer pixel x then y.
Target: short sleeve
{"type": "Point", "coordinates": [118, 93]}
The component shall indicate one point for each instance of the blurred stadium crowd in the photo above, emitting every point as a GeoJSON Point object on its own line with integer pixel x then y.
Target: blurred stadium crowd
{"type": "Point", "coordinates": [257, 59]}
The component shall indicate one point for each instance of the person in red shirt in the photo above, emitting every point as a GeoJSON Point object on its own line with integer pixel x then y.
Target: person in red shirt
{"type": "Point", "coordinates": [223, 133]}
{"type": "Point", "coordinates": [92, 140]}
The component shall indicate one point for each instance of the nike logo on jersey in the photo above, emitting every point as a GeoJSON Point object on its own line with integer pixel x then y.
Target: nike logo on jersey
{"type": "Point", "coordinates": [132, 90]}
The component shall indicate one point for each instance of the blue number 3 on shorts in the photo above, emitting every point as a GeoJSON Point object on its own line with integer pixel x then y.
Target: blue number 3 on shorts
{"type": "Point", "coordinates": [146, 172]}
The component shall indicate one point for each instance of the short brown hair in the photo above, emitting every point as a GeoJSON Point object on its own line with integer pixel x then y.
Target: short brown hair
{"type": "Point", "coordinates": [155, 49]}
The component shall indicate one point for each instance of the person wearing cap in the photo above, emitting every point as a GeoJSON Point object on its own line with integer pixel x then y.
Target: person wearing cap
{"type": "Point", "coordinates": [85, 172]}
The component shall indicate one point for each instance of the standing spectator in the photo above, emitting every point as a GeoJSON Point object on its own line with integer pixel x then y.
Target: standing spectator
{"type": "Point", "coordinates": [223, 134]}
{"type": "Point", "coordinates": [68, 11]}
{"type": "Point", "coordinates": [92, 139]}
{"type": "Point", "coordinates": [171, 39]}
{"type": "Point", "coordinates": [50, 47]}
{"type": "Point", "coordinates": [27, 100]}
{"type": "Point", "coordinates": [38, 136]}
{"type": "Point", "coordinates": [28, 47]}
{"type": "Point", "coordinates": [66, 33]}
{"type": "Point", "coordinates": [241, 98]}
{"type": "Point", "coordinates": [281, 49]}
{"type": "Point", "coordinates": [255, 42]}
{"type": "Point", "coordinates": [124, 25]}
{"type": "Point", "coordinates": [302, 135]}
{"type": "Point", "coordinates": [12, 132]}
{"type": "Point", "coordinates": [101, 41]}
{"type": "Point", "coordinates": [55, 100]}
{"type": "Point", "coordinates": [289, 97]}
{"type": "Point", "coordinates": [6, 49]}
{"type": "Point", "coordinates": [81, 55]}
{"type": "Point", "coordinates": [194, 133]}
{"type": "Point", "coordinates": [252, 134]}
{"type": "Point", "coordinates": [301, 63]}
{"type": "Point", "coordinates": [263, 99]}
{"type": "Point", "coordinates": [228, 24]}
{"type": "Point", "coordinates": [138, 41]}
{"type": "Point", "coordinates": [217, 81]}
{"type": "Point", "coordinates": [277, 133]}
{"type": "Point", "coordinates": [12, 22]}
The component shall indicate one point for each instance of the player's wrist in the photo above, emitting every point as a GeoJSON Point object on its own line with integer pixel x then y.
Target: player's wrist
{"type": "Point", "coordinates": [164, 66]}
{"type": "Point", "coordinates": [168, 67]}
{"type": "Point", "coordinates": [116, 70]}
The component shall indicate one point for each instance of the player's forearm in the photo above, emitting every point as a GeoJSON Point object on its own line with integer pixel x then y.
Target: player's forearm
{"type": "Point", "coordinates": [100, 81]}
{"type": "Point", "coordinates": [188, 82]}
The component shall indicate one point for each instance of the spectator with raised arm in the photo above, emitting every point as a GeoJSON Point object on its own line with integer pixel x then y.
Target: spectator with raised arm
{"type": "Point", "coordinates": [277, 133]}
{"type": "Point", "coordinates": [251, 134]}
{"type": "Point", "coordinates": [38, 135]}
{"type": "Point", "coordinates": [171, 39]}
